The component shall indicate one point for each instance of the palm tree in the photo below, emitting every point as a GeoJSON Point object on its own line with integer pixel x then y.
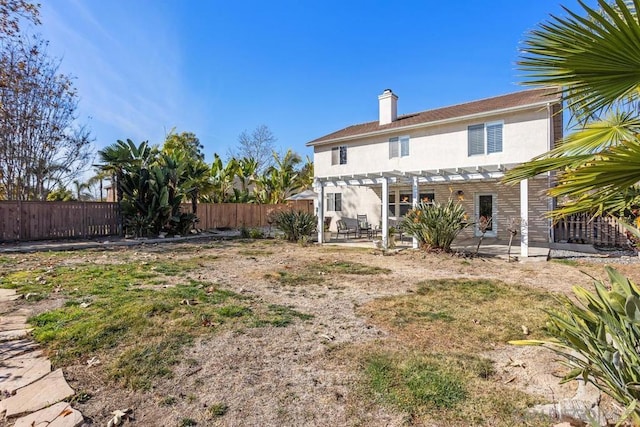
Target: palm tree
{"type": "Point", "coordinates": [80, 190]}
{"type": "Point", "coordinates": [595, 62]}
{"type": "Point", "coordinates": [98, 179]}
{"type": "Point", "coordinates": [305, 175]}
{"type": "Point", "coordinates": [280, 180]}
{"type": "Point", "coordinates": [197, 181]}
{"type": "Point", "coordinates": [120, 156]}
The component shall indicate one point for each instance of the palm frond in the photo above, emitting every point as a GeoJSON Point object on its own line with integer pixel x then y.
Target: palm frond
{"type": "Point", "coordinates": [595, 59]}
{"type": "Point", "coordinates": [582, 147]}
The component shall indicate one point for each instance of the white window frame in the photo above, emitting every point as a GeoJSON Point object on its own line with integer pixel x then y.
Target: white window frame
{"type": "Point", "coordinates": [485, 138]}
{"type": "Point", "coordinates": [338, 154]}
{"type": "Point", "coordinates": [494, 214]}
{"type": "Point", "coordinates": [399, 146]}
{"type": "Point", "coordinates": [331, 202]}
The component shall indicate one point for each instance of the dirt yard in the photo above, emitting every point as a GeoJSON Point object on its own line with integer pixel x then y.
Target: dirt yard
{"type": "Point", "coordinates": [303, 374]}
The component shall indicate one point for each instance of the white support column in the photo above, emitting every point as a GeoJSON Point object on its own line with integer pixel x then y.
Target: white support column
{"type": "Point", "coordinates": [320, 191]}
{"type": "Point", "coordinates": [385, 213]}
{"type": "Point", "coordinates": [524, 218]}
{"type": "Point", "coordinates": [414, 203]}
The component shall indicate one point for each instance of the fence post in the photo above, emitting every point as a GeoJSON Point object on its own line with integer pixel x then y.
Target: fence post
{"type": "Point", "coordinates": [20, 220]}
{"type": "Point", "coordinates": [85, 232]}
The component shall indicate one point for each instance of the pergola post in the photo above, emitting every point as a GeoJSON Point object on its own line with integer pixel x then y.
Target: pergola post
{"type": "Point", "coordinates": [414, 204]}
{"type": "Point", "coordinates": [320, 191]}
{"type": "Point", "coordinates": [524, 218]}
{"type": "Point", "coordinates": [385, 213]}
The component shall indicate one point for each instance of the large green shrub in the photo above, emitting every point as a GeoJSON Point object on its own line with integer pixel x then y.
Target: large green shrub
{"type": "Point", "coordinates": [598, 338]}
{"type": "Point", "coordinates": [152, 198]}
{"type": "Point", "coordinates": [295, 224]}
{"type": "Point", "coordinates": [435, 225]}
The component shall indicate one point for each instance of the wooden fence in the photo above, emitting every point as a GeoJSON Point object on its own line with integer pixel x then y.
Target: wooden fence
{"type": "Point", "coordinates": [56, 220]}
{"type": "Point", "coordinates": [236, 215]}
{"type": "Point", "coordinates": [582, 228]}
{"type": "Point", "coordinates": [20, 221]}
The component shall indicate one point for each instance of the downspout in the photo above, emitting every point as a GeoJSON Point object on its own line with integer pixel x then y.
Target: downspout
{"type": "Point", "coordinates": [550, 143]}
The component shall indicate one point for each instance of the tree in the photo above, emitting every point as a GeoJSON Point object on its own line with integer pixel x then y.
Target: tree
{"type": "Point", "coordinates": [186, 143]}
{"type": "Point", "coordinates": [60, 194]}
{"type": "Point", "coordinates": [12, 11]}
{"type": "Point", "coordinates": [258, 145]}
{"type": "Point", "coordinates": [187, 149]}
{"type": "Point", "coordinates": [98, 179]}
{"type": "Point", "coordinates": [222, 177]}
{"type": "Point", "coordinates": [41, 144]}
{"type": "Point", "coordinates": [281, 180]}
{"type": "Point", "coordinates": [305, 175]}
{"type": "Point", "coordinates": [122, 156]}
{"type": "Point", "coordinates": [246, 172]}
{"type": "Point", "coordinates": [80, 189]}
{"type": "Point", "coordinates": [595, 62]}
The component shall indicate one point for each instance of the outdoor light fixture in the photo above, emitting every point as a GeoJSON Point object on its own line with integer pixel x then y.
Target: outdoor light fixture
{"type": "Point", "coordinates": [460, 194]}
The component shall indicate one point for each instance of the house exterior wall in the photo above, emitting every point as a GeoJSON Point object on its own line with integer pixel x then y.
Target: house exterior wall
{"type": "Point", "coordinates": [358, 200]}
{"type": "Point", "coordinates": [525, 135]}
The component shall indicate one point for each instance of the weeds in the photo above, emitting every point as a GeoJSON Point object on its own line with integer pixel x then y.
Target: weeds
{"type": "Point", "coordinates": [346, 267]}
{"type": "Point", "coordinates": [462, 314]}
{"type": "Point", "coordinates": [415, 384]}
{"type": "Point", "coordinates": [441, 375]}
{"type": "Point", "coordinates": [138, 330]}
{"type": "Point", "coordinates": [218, 410]}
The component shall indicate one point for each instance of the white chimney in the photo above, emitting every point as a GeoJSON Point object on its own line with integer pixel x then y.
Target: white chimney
{"type": "Point", "coordinates": [388, 102]}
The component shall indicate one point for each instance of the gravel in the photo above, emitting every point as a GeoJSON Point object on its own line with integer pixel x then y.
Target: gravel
{"type": "Point", "coordinates": [628, 256]}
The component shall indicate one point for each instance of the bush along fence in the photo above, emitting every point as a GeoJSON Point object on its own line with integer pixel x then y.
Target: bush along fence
{"type": "Point", "coordinates": [23, 221]}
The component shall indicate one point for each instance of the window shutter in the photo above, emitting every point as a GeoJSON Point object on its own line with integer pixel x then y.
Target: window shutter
{"type": "Point", "coordinates": [335, 155]}
{"type": "Point", "coordinates": [494, 138]}
{"type": "Point", "coordinates": [476, 139]}
{"type": "Point", "coordinates": [393, 147]}
{"type": "Point", "coordinates": [404, 146]}
{"type": "Point", "coordinates": [338, 202]}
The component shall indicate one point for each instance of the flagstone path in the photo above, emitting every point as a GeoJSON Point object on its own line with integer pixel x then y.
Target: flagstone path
{"type": "Point", "coordinates": [31, 394]}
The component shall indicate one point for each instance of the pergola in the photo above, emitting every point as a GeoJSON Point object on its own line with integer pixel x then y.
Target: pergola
{"type": "Point", "coordinates": [415, 178]}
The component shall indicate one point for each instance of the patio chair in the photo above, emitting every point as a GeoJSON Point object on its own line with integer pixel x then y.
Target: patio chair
{"type": "Point", "coordinates": [344, 230]}
{"type": "Point", "coordinates": [363, 226]}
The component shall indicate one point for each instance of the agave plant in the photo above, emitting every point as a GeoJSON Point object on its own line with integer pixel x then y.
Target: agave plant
{"type": "Point", "coordinates": [435, 225]}
{"type": "Point", "coordinates": [598, 338]}
{"type": "Point", "coordinates": [295, 224]}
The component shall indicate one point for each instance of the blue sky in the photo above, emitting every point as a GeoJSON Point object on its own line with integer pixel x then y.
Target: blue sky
{"type": "Point", "coordinates": [303, 68]}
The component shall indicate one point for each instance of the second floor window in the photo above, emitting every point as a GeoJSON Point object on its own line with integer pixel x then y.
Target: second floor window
{"type": "Point", "coordinates": [398, 147]}
{"type": "Point", "coordinates": [339, 155]}
{"type": "Point", "coordinates": [489, 132]}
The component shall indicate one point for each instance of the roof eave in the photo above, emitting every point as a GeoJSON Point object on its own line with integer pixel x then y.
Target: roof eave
{"type": "Point", "coordinates": [433, 123]}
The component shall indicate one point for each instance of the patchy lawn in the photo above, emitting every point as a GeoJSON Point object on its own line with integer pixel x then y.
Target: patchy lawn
{"type": "Point", "coordinates": [271, 333]}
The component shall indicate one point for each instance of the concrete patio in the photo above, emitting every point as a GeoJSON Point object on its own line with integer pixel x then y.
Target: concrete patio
{"type": "Point", "coordinates": [490, 247]}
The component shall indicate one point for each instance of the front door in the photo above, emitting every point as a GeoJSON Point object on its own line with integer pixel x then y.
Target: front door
{"type": "Point", "coordinates": [486, 214]}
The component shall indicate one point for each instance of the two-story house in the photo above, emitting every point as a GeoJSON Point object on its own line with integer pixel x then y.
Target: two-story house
{"type": "Point", "coordinates": [383, 168]}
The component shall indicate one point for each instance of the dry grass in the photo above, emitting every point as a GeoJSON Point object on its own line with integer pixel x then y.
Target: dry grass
{"type": "Point", "coordinates": [288, 335]}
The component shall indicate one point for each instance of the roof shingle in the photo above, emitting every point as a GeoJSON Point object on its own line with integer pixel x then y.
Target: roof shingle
{"type": "Point", "coordinates": [512, 100]}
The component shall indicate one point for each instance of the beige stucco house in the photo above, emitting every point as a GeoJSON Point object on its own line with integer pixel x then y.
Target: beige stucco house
{"type": "Point", "coordinates": [383, 168]}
